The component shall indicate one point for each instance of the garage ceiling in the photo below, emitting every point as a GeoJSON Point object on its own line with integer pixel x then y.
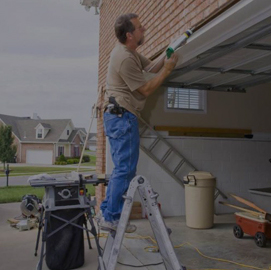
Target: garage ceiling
{"type": "Point", "coordinates": [240, 61]}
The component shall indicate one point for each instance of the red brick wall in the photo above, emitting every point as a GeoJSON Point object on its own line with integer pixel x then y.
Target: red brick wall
{"type": "Point", "coordinates": [18, 154]}
{"type": "Point", "coordinates": [100, 150]}
{"type": "Point", "coordinates": [164, 20]}
{"type": "Point", "coordinates": [76, 142]}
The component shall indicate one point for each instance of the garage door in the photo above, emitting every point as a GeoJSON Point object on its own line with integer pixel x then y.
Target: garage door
{"type": "Point", "coordinates": [39, 156]}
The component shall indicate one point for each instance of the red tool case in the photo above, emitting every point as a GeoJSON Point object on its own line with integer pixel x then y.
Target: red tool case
{"type": "Point", "coordinates": [252, 225]}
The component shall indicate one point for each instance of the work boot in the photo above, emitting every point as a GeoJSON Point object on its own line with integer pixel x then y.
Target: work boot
{"type": "Point", "coordinates": [130, 228]}
{"type": "Point", "coordinates": [109, 226]}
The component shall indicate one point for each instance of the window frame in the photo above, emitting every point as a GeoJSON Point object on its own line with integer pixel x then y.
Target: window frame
{"type": "Point", "coordinates": [181, 110]}
{"type": "Point", "coordinates": [39, 133]}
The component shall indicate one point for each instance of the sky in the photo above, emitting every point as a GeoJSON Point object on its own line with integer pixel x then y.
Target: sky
{"type": "Point", "coordinates": [49, 60]}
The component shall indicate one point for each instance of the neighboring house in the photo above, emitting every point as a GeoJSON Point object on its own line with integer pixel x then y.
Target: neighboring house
{"type": "Point", "coordinates": [92, 141]}
{"type": "Point", "coordinates": [41, 141]}
{"type": "Point", "coordinates": [220, 81]}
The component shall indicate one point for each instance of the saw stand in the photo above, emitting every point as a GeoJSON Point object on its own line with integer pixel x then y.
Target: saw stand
{"type": "Point", "coordinates": [161, 233]}
{"type": "Point", "coordinates": [63, 194]}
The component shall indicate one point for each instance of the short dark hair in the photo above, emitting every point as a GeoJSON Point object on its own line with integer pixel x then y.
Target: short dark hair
{"type": "Point", "coordinates": [124, 25]}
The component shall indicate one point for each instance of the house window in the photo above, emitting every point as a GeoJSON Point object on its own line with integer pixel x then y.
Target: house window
{"type": "Point", "coordinates": [60, 150]}
{"type": "Point", "coordinates": [186, 99]}
{"type": "Point", "coordinates": [68, 132]}
{"type": "Point", "coordinates": [39, 133]}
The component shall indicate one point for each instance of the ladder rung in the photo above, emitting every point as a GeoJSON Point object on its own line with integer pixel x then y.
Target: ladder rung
{"type": "Point", "coordinates": [154, 144]}
{"type": "Point", "coordinates": [178, 166]}
{"type": "Point", "coordinates": [143, 130]}
{"type": "Point", "coordinates": [169, 151]}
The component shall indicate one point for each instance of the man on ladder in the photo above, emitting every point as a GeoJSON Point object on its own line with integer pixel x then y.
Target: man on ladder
{"type": "Point", "coordinates": [126, 93]}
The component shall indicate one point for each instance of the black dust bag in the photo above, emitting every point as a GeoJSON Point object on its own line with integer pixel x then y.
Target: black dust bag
{"type": "Point", "coordinates": [65, 248]}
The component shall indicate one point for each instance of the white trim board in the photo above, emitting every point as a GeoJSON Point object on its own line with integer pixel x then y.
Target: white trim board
{"type": "Point", "coordinates": [233, 21]}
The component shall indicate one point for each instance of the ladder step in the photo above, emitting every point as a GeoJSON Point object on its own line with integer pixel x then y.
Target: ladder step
{"type": "Point", "coordinates": [155, 142]}
{"type": "Point", "coordinates": [143, 129]}
{"type": "Point", "coordinates": [178, 166]}
{"type": "Point", "coordinates": [166, 155]}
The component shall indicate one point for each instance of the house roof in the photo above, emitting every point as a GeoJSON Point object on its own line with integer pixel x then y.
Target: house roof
{"type": "Point", "coordinates": [92, 136]}
{"type": "Point", "coordinates": [12, 121]}
{"type": "Point", "coordinates": [45, 125]}
{"type": "Point", "coordinates": [82, 129]}
{"type": "Point", "coordinates": [73, 134]}
{"type": "Point", "coordinates": [230, 53]}
{"type": "Point", "coordinates": [24, 127]}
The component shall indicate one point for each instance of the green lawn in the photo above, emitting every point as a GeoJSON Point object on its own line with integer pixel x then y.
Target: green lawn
{"type": "Point", "coordinates": [15, 193]}
{"type": "Point", "coordinates": [92, 156]}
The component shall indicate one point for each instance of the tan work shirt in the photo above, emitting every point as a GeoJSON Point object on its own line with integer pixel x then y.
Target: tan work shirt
{"type": "Point", "coordinates": [124, 77]}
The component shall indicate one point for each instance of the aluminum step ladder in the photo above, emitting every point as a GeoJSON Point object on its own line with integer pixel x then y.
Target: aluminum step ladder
{"type": "Point", "coordinates": [161, 233]}
{"type": "Point", "coordinates": [165, 155]}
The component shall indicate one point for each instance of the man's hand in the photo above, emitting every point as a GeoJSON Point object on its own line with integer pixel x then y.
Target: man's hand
{"type": "Point", "coordinates": [169, 64]}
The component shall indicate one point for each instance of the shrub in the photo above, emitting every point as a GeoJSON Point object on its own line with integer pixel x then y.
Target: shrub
{"type": "Point", "coordinates": [69, 161]}
{"type": "Point", "coordinates": [86, 158]}
{"type": "Point", "coordinates": [60, 163]}
{"type": "Point", "coordinates": [61, 158]}
{"type": "Point", "coordinates": [73, 160]}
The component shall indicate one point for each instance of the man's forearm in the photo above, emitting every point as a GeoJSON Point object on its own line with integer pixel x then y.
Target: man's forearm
{"type": "Point", "coordinates": [148, 88]}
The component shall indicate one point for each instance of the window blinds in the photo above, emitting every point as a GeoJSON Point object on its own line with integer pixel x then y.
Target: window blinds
{"type": "Point", "coordinates": [185, 99]}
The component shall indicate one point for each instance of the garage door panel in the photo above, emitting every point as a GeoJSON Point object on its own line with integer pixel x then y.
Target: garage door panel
{"type": "Point", "coordinates": [39, 157]}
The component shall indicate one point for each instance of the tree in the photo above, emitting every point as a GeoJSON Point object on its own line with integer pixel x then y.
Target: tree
{"type": "Point", "coordinates": [7, 149]}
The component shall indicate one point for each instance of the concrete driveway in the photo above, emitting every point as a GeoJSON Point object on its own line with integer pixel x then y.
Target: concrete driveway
{"type": "Point", "coordinates": [17, 248]}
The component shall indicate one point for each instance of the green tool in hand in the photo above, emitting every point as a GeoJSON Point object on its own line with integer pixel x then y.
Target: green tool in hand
{"type": "Point", "coordinates": [169, 52]}
{"type": "Point", "coordinates": [178, 43]}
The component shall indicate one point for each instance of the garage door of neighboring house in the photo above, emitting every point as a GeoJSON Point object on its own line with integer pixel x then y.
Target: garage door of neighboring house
{"type": "Point", "coordinates": [39, 156]}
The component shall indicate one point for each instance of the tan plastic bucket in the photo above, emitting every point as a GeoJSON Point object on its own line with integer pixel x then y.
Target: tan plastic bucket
{"type": "Point", "coordinates": [199, 199]}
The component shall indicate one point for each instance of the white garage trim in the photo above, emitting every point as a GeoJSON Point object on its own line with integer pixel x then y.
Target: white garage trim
{"type": "Point", "coordinates": [233, 21]}
{"type": "Point", "coordinates": [39, 157]}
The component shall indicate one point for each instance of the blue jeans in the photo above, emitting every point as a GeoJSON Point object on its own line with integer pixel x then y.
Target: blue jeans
{"type": "Point", "coordinates": [124, 139]}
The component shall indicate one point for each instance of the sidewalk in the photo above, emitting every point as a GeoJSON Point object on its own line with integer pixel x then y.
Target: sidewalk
{"type": "Point", "coordinates": [45, 165]}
